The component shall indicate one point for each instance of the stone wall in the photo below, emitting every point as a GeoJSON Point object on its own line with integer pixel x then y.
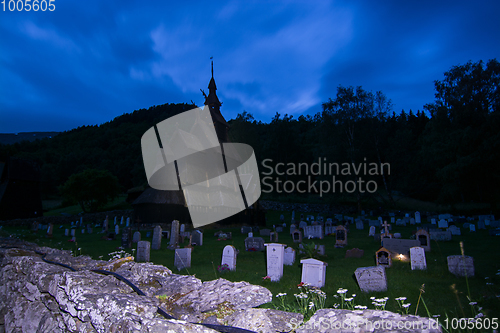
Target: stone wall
{"type": "Point", "coordinates": [37, 296]}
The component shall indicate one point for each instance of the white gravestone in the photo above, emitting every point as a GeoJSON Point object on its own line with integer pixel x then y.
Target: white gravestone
{"type": "Point", "coordinates": [229, 257]}
{"type": "Point", "coordinates": [143, 249]}
{"type": "Point", "coordinates": [182, 228]}
{"type": "Point", "coordinates": [275, 254]}
{"type": "Point", "coordinates": [121, 221]}
{"type": "Point", "coordinates": [73, 232]}
{"type": "Point", "coordinates": [372, 231]}
{"type": "Point", "coordinates": [454, 230]}
{"type": "Point", "coordinates": [417, 256]}
{"type": "Point", "coordinates": [313, 272]}
{"type": "Point", "coordinates": [433, 221]}
{"type": "Point", "coordinates": [371, 278]}
{"type": "Point", "coordinates": [289, 256]}
{"type": "Point", "coordinates": [182, 258]}
{"type": "Point", "coordinates": [250, 234]}
{"type": "Point", "coordinates": [417, 218]}
{"type": "Point", "coordinates": [66, 232]}
{"type": "Point", "coordinates": [472, 227]}
{"type": "Point", "coordinates": [115, 220]}
{"type": "Point", "coordinates": [128, 222]}
{"type": "Point", "coordinates": [137, 237]}
{"type": "Point", "coordinates": [117, 229]}
{"type": "Point", "coordinates": [313, 231]}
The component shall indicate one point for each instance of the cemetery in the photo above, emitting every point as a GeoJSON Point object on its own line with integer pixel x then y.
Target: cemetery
{"type": "Point", "coordinates": [364, 261]}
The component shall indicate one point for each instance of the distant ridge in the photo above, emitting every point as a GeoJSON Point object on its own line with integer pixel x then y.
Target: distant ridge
{"type": "Point", "coordinates": [10, 138]}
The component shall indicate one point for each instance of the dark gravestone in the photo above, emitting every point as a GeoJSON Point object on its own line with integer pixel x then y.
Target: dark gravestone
{"type": "Point", "coordinates": [127, 238]}
{"type": "Point", "coordinates": [354, 253]}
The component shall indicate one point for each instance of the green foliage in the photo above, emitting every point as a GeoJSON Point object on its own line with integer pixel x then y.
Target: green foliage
{"type": "Point", "coordinates": [91, 188]}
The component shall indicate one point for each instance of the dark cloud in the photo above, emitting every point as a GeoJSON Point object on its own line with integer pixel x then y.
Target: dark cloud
{"type": "Point", "coordinates": [88, 62]}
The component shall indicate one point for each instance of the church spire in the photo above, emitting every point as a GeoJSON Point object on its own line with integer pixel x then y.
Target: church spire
{"type": "Point", "coordinates": [213, 103]}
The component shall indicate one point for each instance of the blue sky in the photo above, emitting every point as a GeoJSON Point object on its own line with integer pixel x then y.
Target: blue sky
{"type": "Point", "coordinates": [90, 61]}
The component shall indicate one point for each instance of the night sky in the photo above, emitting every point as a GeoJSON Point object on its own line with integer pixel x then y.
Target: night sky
{"type": "Point", "coordinates": [88, 62]}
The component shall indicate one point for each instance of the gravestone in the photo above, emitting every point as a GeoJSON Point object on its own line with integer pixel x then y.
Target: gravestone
{"type": "Point", "coordinates": [329, 230]}
{"type": "Point", "coordinates": [297, 236]}
{"type": "Point", "coordinates": [393, 219]}
{"type": "Point", "coordinates": [454, 230]}
{"type": "Point", "coordinates": [433, 221]}
{"type": "Point", "coordinates": [246, 229]}
{"type": "Point", "coordinates": [250, 234]}
{"type": "Point", "coordinates": [121, 221]}
{"type": "Point", "coordinates": [265, 232]}
{"type": "Point", "coordinates": [273, 237]}
{"type": "Point", "coordinates": [254, 244]}
{"type": "Point", "coordinates": [329, 222]}
{"type": "Point", "coordinates": [424, 238]}
{"type": "Point", "coordinates": [443, 224]}
{"type": "Point", "coordinates": [83, 231]}
{"type": "Point", "coordinates": [383, 257]}
{"type": "Point", "coordinates": [417, 256]}
{"type": "Point", "coordinates": [313, 231]}
{"type": "Point", "coordinates": [143, 249]}
{"type": "Point", "coordinates": [472, 227]}
{"type": "Point", "coordinates": [275, 254]}
{"type": "Point", "coordinates": [66, 232]}
{"type": "Point", "coordinates": [461, 266]}
{"type": "Point", "coordinates": [182, 258]}
{"type": "Point", "coordinates": [137, 237]}
{"type": "Point", "coordinates": [354, 253]}
{"type": "Point", "coordinates": [313, 272]}
{"type": "Point", "coordinates": [359, 225]}
{"type": "Point", "coordinates": [50, 230]}
{"type": "Point", "coordinates": [157, 236]}
{"type": "Point", "coordinates": [401, 222]}
{"type": "Point", "coordinates": [417, 218]}
{"type": "Point", "coordinates": [34, 226]}
{"type": "Point", "coordinates": [229, 257]}
{"type": "Point", "coordinates": [117, 229]}
{"type": "Point", "coordinates": [321, 249]}
{"type": "Point", "coordinates": [105, 225]}
{"type": "Point", "coordinates": [73, 232]}
{"type": "Point", "coordinates": [302, 225]}
{"type": "Point", "coordinates": [279, 229]}
{"type": "Point", "coordinates": [397, 235]}
{"type": "Point", "coordinates": [412, 221]}
{"type": "Point", "coordinates": [198, 237]}
{"type": "Point", "coordinates": [174, 235]}
{"type": "Point", "coordinates": [289, 256]}
{"type": "Point", "coordinates": [400, 246]}
{"type": "Point", "coordinates": [439, 235]}
{"type": "Point", "coordinates": [148, 234]}
{"type": "Point", "coordinates": [371, 278]}
{"type": "Point", "coordinates": [115, 220]}
{"type": "Point", "coordinates": [127, 238]}
{"type": "Point", "coordinates": [372, 231]}
{"type": "Point", "coordinates": [341, 236]}
{"type": "Point", "coordinates": [292, 228]}
{"type": "Point", "coordinates": [466, 225]}
{"type": "Point", "coordinates": [339, 217]}
{"type": "Point", "coordinates": [128, 222]}
{"type": "Point", "coordinates": [89, 228]}
{"type": "Point", "coordinates": [481, 225]}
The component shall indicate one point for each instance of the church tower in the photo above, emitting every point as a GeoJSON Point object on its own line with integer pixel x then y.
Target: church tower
{"type": "Point", "coordinates": [213, 103]}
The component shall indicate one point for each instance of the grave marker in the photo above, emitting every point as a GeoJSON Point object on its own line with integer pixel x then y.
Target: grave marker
{"type": "Point", "coordinates": [157, 236]}
{"type": "Point", "coordinates": [313, 231]}
{"type": "Point", "coordinates": [371, 278]}
{"type": "Point", "coordinates": [73, 232]}
{"type": "Point", "coordinates": [198, 237]}
{"type": "Point", "coordinates": [297, 236]}
{"type": "Point", "coordinates": [182, 258]}
{"type": "Point", "coordinates": [372, 231]}
{"type": "Point", "coordinates": [289, 256]}
{"type": "Point", "coordinates": [255, 243]}
{"type": "Point", "coordinates": [174, 235]}
{"type": "Point", "coordinates": [127, 238]}
{"type": "Point", "coordinates": [454, 230]}
{"type": "Point", "coordinates": [417, 218]}
{"type": "Point", "coordinates": [66, 232]}
{"type": "Point", "coordinates": [383, 257]}
{"type": "Point", "coordinates": [229, 257]}
{"type": "Point", "coordinates": [341, 236]}
{"type": "Point", "coordinates": [443, 224]}
{"type": "Point", "coordinates": [265, 232]}
{"type": "Point", "coordinates": [424, 238]}
{"type": "Point", "coordinates": [439, 235]}
{"type": "Point", "coordinates": [472, 227]}
{"type": "Point", "coordinates": [417, 256]}
{"type": "Point", "coordinates": [461, 266]}
{"type": "Point", "coordinates": [137, 237]}
{"type": "Point", "coordinates": [273, 237]}
{"type": "Point", "coordinates": [117, 229]}
{"type": "Point", "coordinates": [313, 272]}
{"type": "Point", "coordinates": [359, 225]}
{"type": "Point", "coordinates": [50, 230]}
{"type": "Point", "coordinates": [143, 249]}
{"type": "Point", "coordinates": [354, 253]}
{"type": "Point", "coordinates": [275, 254]}
{"type": "Point", "coordinates": [105, 225]}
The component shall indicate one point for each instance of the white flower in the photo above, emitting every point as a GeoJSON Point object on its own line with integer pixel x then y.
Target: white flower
{"type": "Point", "coordinates": [372, 298]}
{"type": "Point", "coordinates": [401, 299]}
{"type": "Point", "coordinates": [479, 315]}
{"type": "Point", "coordinates": [349, 299]}
{"type": "Point", "coordinates": [281, 294]}
{"type": "Point", "coordinates": [472, 303]}
{"type": "Point", "coordinates": [407, 305]}
{"type": "Point", "coordinates": [311, 305]}
{"type": "Point", "coordinates": [436, 316]}
{"type": "Point", "coordinates": [341, 291]}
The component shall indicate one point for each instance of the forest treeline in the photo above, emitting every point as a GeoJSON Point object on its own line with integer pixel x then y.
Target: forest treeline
{"type": "Point", "coordinates": [448, 152]}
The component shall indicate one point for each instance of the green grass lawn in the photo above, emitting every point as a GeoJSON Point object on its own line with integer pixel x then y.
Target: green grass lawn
{"type": "Point", "coordinates": [444, 293]}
